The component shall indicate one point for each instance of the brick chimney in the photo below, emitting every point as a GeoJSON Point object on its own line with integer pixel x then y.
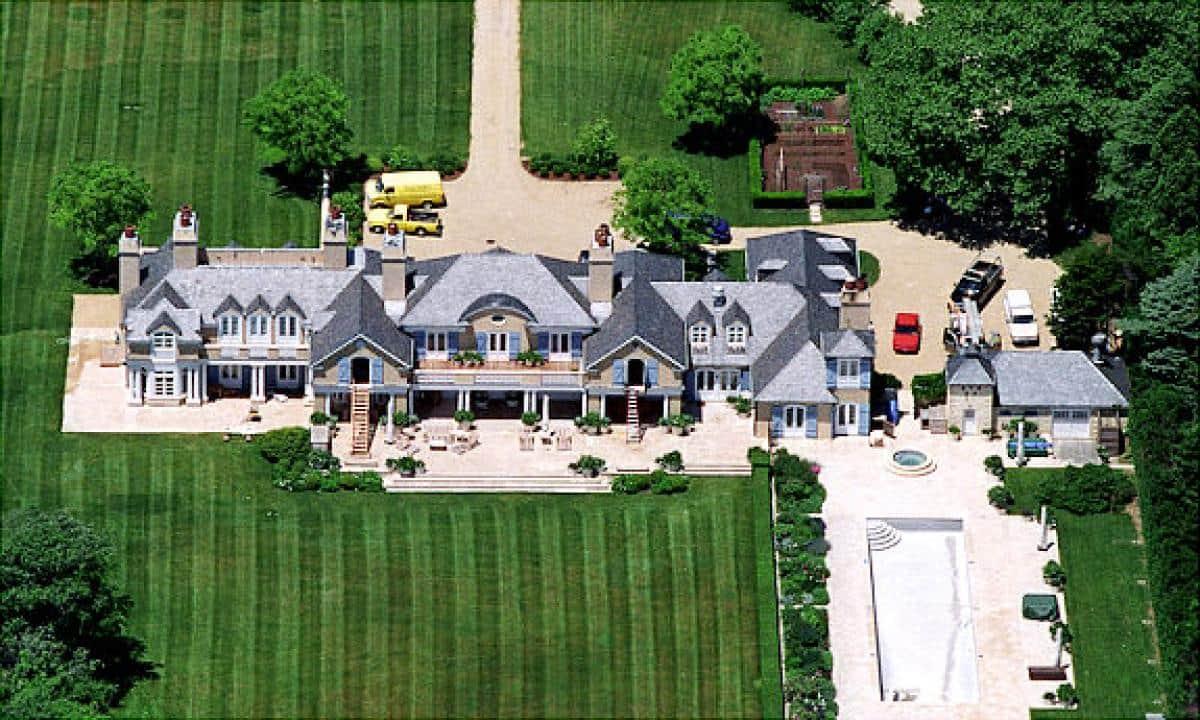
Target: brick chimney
{"type": "Point", "coordinates": [855, 310]}
{"type": "Point", "coordinates": [333, 239]}
{"type": "Point", "coordinates": [129, 260]}
{"type": "Point", "coordinates": [600, 272]}
{"type": "Point", "coordinates": [185, 238]}
{"type": "Point", "coordinates": [395, 269]}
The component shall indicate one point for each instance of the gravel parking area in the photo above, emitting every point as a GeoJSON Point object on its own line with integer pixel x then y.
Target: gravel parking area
{"type": "Point", "coordinates": [917, 275]}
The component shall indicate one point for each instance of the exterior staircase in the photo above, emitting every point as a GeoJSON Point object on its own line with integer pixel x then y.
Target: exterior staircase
{"type": "Point", "coordinates": [360, 420]}
{"type": "Point", "coordinates": [881, 536]}
{"type": "Point", "coordinates": [633, 425]}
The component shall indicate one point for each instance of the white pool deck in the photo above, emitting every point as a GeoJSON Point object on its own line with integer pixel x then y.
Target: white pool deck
{"type": "Point", "coordinates": [923, 623]}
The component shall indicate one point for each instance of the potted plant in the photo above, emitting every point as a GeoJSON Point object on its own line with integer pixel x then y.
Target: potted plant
{"type": "Point", "coordinates": [593, 423]}
{"type": "Point", "coordinates": [665, 422]}
{"type": "Point", "coordinates": [530, 358]}
{"type": "Point", "coordinates": [406, 465]}
{"type": "Point", "coordinates": [956, 431]}
{"type": "Point", "coordinates": [464, 418]}
{"type": "Point", "coordinates": [741, 405]}
{"type": "Point", "coordinates": [588, 465]}
{"type": "Point", "coordinates": [530, 420]}
{"type": "Point", "coordinates": [318, 418]}
{"type": "Point", "coordinates": [683, 422]}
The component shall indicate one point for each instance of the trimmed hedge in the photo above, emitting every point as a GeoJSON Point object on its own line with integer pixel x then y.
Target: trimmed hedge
{"type": "Point", "coordinates": [929, 389]}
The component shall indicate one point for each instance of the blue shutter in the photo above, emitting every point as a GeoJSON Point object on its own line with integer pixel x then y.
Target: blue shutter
{"type": "Point", "coordinates": [543, 344]}
{"type": "Point", "coordinates": [452, 343]}
{"type": "Point", "coordinates": [419, 341]}
{"type": "Point", "coordinates": [514, 345]}
{"type": "Point", "coordinates": [344, 371]}
{"type": "Point", "coordinates": [651, 373]}
{"type": "Point", "coordinates": [618, 372]}
{"type": "Point", "coordinates": [810, 421]}
{"type": "Point", "coordinates": [864, 419]}
{"type": "Point", "coordinates": [376, 371]}
{"type": "Point", "coordinates": [864, 374]}
{"type": "Point", "coordinates": [576, 345]}
{"type": "Point", "coordinates": [744, 381]}
{"type": "Point", "coordinates": [831, 373]}
{"type": "Point", "coordinates": [481, 342]}
{"type": "Point", "coordinates": [689, 384]}
{"type": "Point", "coordinates": [776, 420]}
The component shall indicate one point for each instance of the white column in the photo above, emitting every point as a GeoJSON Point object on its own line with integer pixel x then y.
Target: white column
{"type": "Point", "coordinates": [139, 381]}
{"type": "Point", "coordinates": [131, 379]}
{"type": "Point", "coordinates": [262, 381]}
{"type": "Point", "coordinates": [545, 407]}
{"type": "Point", "coordinates": [328, 404]}
{"type": "Point", "coordinates": [391, 411]}
{"type": "Point", "coordinates": [603, 404]}
{"type": "Point", "coordinates": [666, 406]}
{"type": "Point", "coordinates": [466, 400]}
{"type": "Point", "coordinates": [308, 389]}
{"type": "Point", "coordinates": [203, 384]}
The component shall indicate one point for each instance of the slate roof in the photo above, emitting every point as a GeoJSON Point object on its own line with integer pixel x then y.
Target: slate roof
{"type": "Point", "coordinates": [796, 258]}
{"type": "Point", "coordinates": [445, 294]}
{"type": "Point", "coordinates": [968, 370]}
{"type": "Point", "coordinates": [358, 311]}
{"type": "Point", "coordinates": [771, 306]}
{"type": "Point", "coordinates": [1061, 378]}
{"type": "Point", "coordinates": [801, 379]}
{"type": "Point", "coordinates": [848, 343]}
{"type": "Point", "coordinates": [140, 322]}
{"type": "Point", "coordinates": [639, 311]}
{"type": "Point", "coordinates": [651, 266]}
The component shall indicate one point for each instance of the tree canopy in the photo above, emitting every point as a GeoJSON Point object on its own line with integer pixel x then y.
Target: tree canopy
{"type": "Point", "coordinates": [595, 147]}
{"type": "Point", "coordinates": [1000, 109]}
{"type": "Point", "coordinates": [715, 78]}
{"type": "Point", "coordinates": [663, 201]}
{"type": "Point", "coordinates": [63, 647]}
{"type": "Point", "coordinates": [94, 201]}
{"type": "Point", "coordinates": [302, 117]}
{"type": "Point", "coordinates": [1164, 329]}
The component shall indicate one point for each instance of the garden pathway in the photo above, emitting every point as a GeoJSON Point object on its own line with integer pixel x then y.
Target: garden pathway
{"type": "Point", "coordinates": [496, 199]}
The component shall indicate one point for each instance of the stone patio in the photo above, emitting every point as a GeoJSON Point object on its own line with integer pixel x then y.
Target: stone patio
{"type": "Point", "coordinates": [1002, 559]}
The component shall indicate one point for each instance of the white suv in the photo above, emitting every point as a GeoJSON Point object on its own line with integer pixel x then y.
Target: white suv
{"type": "Point", "coordinates": [1018, 314]}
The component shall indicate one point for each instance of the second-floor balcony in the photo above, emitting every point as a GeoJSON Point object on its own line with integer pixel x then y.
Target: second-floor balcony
{"type": "Point", "coordinates": [500, 365]}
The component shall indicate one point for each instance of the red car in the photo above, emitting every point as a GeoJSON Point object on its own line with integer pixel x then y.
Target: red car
{"type": "Point", "coordinates": [906, 335]}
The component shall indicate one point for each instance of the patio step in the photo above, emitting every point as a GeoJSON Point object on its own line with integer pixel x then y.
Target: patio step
{"type": "Point", "coordinates": [393, 483]}
{"type": "Point", "coordinates": [882, 536]}
{"type": "Point", "coordinates": [360, 421]}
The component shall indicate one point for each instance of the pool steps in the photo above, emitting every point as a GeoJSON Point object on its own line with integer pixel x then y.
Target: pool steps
{"type": "Point", "coordinates": [881, 535]}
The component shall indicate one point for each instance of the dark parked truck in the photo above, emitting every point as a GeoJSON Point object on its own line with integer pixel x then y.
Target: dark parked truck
{"type": "Point", "coordinates": [979, 282]}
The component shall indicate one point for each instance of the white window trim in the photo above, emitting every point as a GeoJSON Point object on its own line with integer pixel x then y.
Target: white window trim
{"type": "Point", "coordinates": [163, 384]}
{"type": "Point", "coordinates": [229, 328]}
{"type": "Point", "coordinates": [699, 335]}
{"type": "Point", "coordinates": [798, 417]}
{"type": "Point", "coordinates": [431, 345]}
{"type": "Point", "coordinates": [287, 329]}
{"type": "Point", "coordinates": [738, 342]}
{"type": "Point", "coordinates": [849, 413]}
{"type": "Point", "coordinates": [560, 346]}
{"type": "Point", "coordinates": [845, 379]}
{"type": "Point", "coordinates": [497, 345]}
{"type": "Point", "coordinates": [163, 343]}
{"type": "Point", "coordinates": [282, 373]}
{"type": "Point", "coordinates": [258, 328]}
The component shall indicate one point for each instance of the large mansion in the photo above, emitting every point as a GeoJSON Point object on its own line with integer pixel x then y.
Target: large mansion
{"type": "Point", "coordinates": [617, 333]}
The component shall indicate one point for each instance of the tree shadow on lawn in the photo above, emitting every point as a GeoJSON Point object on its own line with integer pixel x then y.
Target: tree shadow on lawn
{"type": "Point", "coordinates": [348, 174]}
{"type": "Point", "coordinates": [728, 140]}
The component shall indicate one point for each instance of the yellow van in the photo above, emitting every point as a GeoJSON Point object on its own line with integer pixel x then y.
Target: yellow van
{"type": "Point", "coordinates": [417, 188]}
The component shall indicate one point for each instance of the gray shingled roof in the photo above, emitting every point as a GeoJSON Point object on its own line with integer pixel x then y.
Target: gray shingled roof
{"type": "Point", "coordinates": [771, 305]}
{"type": "Point", "coordinates": [802, 379]}
{"type": "Point", "coordinates": [651, 266]}
{"type": "Point", "coordinates": [497, 301]}
{"type": "Point", "coordinates": [848, 343]}
{"type": "Point", "coordinates": [358, 312]}
{"type": "Point", "coordinates": [639, 311]}
{"type": "Point", "coordinates": [442, 298]}
{"type": "Point", "coordinates": [967, 370]}
{"type": "Point", "coordinates": [1064, 378]}
{"type": "Point", "coordinates": [800, 257]}
{"type": "Point", "coordinates": [140, 322]}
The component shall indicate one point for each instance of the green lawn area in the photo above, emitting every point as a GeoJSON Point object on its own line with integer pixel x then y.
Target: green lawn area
{"type": "Point", "coordinates": [256, 602]}
{"type": "Point", "coordinates": [584, 60]}
{"type": "Point", "coordinates": [1105, 608]}
{"type": "Point", "coordinates": [160, 86]}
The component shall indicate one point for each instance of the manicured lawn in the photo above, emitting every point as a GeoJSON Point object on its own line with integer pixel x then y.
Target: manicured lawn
{"type": "Point", "coordinates": [160, 86]}
{"type": "Point", "coordinates": [255, 602]}
{"type": "Point", "coordinates": [1105, 607]}
{"type": "Point", "coordinates": [583, 60]}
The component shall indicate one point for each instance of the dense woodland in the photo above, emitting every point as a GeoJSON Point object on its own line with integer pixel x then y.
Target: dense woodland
{"type": "Point", "coordinates": [1075, 129]}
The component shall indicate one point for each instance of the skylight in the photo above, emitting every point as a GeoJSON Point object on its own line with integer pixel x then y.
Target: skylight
{"type": "Point", "coordinates": [833, 244]}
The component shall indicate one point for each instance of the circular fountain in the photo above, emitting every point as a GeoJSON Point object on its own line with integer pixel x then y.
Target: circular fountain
{"type": "Point", "coordinates": [908, 461]}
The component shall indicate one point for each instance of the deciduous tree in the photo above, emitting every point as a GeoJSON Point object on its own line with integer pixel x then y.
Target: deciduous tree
{"type": "Point", "coordinates": [663, 202]}
{"type": "Point", "coordinates": [302, 117]}
{"type": "Point", "coordinates": [94, 201]}
{"type": "Point", "coordinates": [715, 78]}
{"type": "Point", "coordinates": [1092, 290]}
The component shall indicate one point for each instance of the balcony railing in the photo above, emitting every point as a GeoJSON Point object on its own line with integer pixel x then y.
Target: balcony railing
{"type": "Point", "coordinates": [507, 366]}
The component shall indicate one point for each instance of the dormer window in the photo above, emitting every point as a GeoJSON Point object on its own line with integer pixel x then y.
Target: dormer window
{"type": "Point", "coordinates": [231, 328]}
{"type": "Point", "coordinates": [699, 334]}
{"type": "Point", "coordinates": [287, 328]}
{"type": "Point", "coordinates": [163, 342]}
{"type": "Point", "coordinates": [735, 336]}
{"type": "Point", "coordinates": [259, 328]}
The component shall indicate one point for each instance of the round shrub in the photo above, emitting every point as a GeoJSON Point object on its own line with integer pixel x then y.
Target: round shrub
{"type": "Point", "coordinates": [630, 484]}
{"type": "Point", "coordinates": [1000, 497]}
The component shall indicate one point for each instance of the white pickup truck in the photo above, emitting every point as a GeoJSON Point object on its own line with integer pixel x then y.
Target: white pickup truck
{"type": "Point", "coordinates": [1021, 320]}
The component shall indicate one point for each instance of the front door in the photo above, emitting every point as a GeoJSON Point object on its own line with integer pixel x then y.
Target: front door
{"type": "Point", "coordinates": [846, 420]}
{"type": "Point", "coordinates": [360, 370]}
{"type": "Point", "coordinates": [793, 421]}
{"type": "Point", "coordinates": [497, 347]}
{"type": "Point", "coordinates": [969, 426]}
